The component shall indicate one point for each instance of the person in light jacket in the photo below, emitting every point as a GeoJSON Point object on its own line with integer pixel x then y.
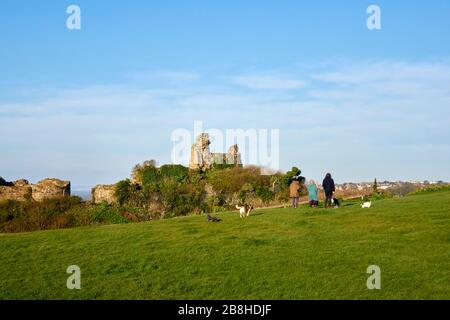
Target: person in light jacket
{"type": "Point", "coordinates": [294, 192]}
{"type": "Point", "coordinates": [312, 194]}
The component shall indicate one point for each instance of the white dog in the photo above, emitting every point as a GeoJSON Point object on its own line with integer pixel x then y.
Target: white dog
{"type": "Point", "coordinates": [244, 211]}
{"type": "Point", "coordinates": [366, 204]}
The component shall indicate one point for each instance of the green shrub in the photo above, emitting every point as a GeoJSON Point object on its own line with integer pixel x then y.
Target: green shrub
{"type": "Point", "coordinates": [380, 195]}
{"type": "Point", "coordinates": [214, 204]}
{"type": "Point", "coordinates": [104, 213]}
{"type": "Point", "coordinates": [432, 189]}
{"type": "Point", "coordinates": [81, 215]}
{"type": "Point", "coordinates": [196, 176]}
{"type": "Point", "coordinates": [149, 176]}
{"type": "Point", "coordinates": [123, 192]}
{"type": "Point", "coordinates": [57, 206]}
{"type": "Point", "coordinates": [230, 181]}
{"type": "Point", "coordinates": [246, 192]}
{"type": "Point", "coordinates": [264, 193]}
{"type": "Point", "coordinates": [182, 199]}
{"type": "Point", "coordinates": [177, 172]}
{"type": "Point", "coordinates": [11, 209]}
{"type": "Point", "coordinates": [222, 166]}
{"type": "Point", "coordinates": [21, 216]}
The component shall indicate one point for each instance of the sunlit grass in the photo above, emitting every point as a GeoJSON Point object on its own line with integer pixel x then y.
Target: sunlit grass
{"type": "Point", "coordinates": [274, 254]}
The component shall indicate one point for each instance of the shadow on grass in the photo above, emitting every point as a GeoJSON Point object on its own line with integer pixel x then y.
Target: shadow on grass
{"type": "Point", "coordinates": [320, 211]}
{"type": "Point", "coordinates": [256, 213]}
{"type": "Point", "coordinates": [349, 204]}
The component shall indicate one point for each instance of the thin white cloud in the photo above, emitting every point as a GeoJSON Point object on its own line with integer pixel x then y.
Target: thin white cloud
{"type": "Point", "coordinates": [170, 76]}
{"type": "Point", "coordinates": [385, 84]}
{"type": "Point", "coordinates": [268, 81]}
{"type": "Point", "coordinates": [369, 71]}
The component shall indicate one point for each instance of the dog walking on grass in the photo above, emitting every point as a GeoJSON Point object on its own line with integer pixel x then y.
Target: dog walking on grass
{"type": "Point", "coordinates": [244, 211]}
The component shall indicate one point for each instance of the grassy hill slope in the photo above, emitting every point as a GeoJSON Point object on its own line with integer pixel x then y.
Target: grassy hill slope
{"type": "Point", "coordinates": [274, 254]}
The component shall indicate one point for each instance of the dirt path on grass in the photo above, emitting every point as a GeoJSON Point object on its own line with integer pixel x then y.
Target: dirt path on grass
{"type": "Point", "coordinates": [287, 205]}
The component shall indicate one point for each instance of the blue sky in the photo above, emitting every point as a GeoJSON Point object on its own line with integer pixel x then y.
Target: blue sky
{"type": "Point", "coordinates": [86, 105]}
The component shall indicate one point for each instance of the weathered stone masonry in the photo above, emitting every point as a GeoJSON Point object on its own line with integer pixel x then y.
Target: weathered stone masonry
{"type": "Point", "coordinates": [202, 158]}
{"type": "Point", "coordinates": [22, 190]}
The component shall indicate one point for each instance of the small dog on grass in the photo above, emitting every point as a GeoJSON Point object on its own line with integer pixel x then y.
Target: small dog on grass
{"type": "Point", "coordinates": [244, 211]}
{"type": "Point", "coordinates": [366, 204]}
{"type": "Point", "coordinates": [210, 218]}
{"type": "Point", "coordinates": [335, 203]}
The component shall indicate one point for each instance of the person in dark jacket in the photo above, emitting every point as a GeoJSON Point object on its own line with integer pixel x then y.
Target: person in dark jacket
{"type": "Point", "coordinates": [328, 187]}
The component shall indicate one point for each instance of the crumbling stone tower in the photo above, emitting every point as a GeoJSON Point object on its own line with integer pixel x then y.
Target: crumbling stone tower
{"type": "Point", "coordinates": [202, 158]}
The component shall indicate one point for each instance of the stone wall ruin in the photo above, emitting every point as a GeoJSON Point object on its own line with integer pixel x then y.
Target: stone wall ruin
{"type": "Point", "coordinates": [22, 190]}
{"type": "Point", "coordinates": [103, 193]}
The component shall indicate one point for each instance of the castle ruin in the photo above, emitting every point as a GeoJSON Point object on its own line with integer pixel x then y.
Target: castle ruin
{"type": "Point", "coordinates": [103, 193]}
{"type": "Point", "coordinates": [22, 190]}
{"type": "Point", "coordinates": [202, 158]}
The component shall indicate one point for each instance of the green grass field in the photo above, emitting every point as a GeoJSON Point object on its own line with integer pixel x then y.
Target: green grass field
{"type": "Point", "coordinates": [273, 254]}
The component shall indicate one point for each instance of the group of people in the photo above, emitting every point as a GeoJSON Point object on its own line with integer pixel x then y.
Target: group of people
{"type": "Point", "coordinates": [313, 191]}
